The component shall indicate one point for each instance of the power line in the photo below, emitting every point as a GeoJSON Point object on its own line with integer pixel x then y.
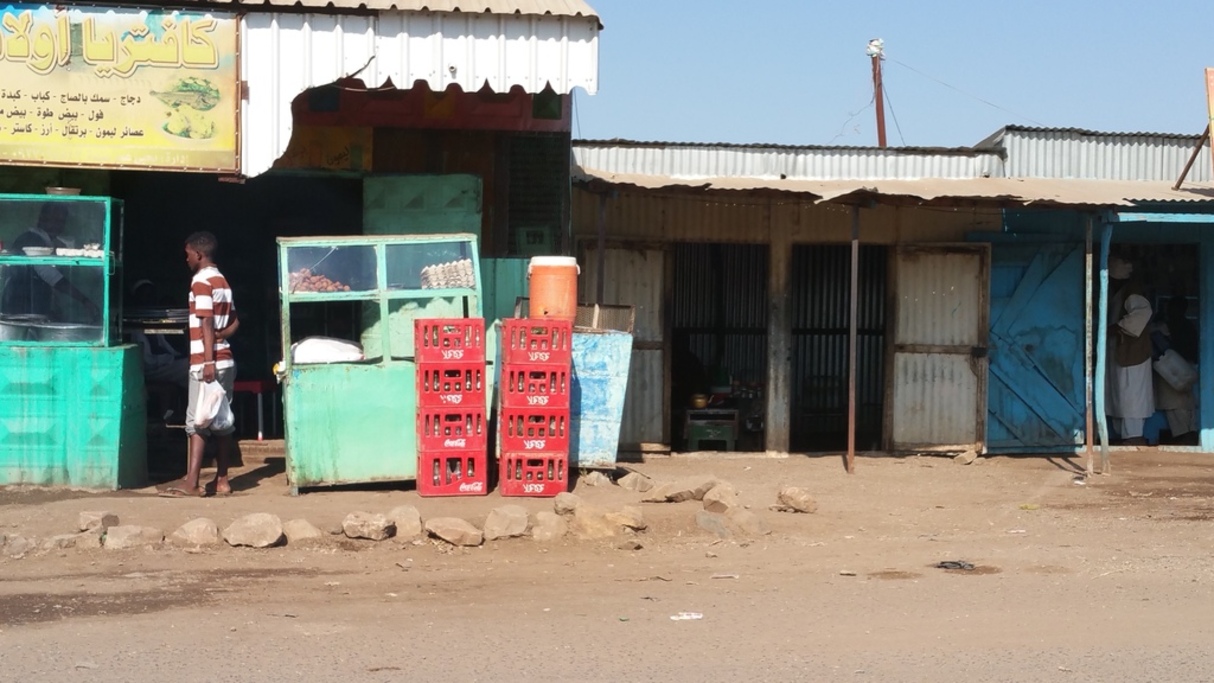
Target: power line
{"type": "Point", "coordinates": [892, 113]}
{"type": "Point", "coordinates": [851, 116]}
{"type": "Point", "coordinates": [963, 92]}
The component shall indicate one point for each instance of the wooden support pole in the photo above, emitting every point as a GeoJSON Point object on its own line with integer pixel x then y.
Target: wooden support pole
{"type": "Point", "coordinates": [778, 424]}
{"type": "Point", "coordinates": [853, 330]}
{"type": "Point", "coordinates": [600, 285]}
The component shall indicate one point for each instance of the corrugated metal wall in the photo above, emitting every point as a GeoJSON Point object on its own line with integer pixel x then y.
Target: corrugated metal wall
{"type": "Point", "coordinates": [636, 277]}
{"type": "Point", "coordinates": [821, 300]}
{"type": "Point", "coordinates": [941, 315]}
{"type": "Point", "coordinates": [1114, 156]}
{"type": "Point", "coordinates": [733, 219]}
{"type": "Point", "coordinates": [689, 160]}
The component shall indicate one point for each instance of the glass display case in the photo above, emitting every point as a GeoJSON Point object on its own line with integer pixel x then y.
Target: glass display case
{"type": "Point", "coordinates": [59, 259]}
{"type": "Point", "coordinates": [348, 305]}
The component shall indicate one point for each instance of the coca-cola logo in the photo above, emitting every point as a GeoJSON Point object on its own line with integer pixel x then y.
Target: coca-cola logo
{"type": "Point", "coordinates": [472, 487]}
{"type": "Point", "coordinates": [456, 443]}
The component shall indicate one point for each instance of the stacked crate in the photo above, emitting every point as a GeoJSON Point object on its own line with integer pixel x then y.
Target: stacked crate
{"type": "Point", "coordinates": [533, 420]}
{"type": "Point", "coordinates": [452, 429]}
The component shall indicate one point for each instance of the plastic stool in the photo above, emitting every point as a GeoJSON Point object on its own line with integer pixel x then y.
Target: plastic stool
{"type": "Point", "coordinates": [258, 387]}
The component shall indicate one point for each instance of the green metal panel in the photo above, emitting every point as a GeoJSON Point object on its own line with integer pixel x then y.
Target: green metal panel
{"type": "Point", "coordinates": [350, 423]}
{"type": "Point", "coordinates": [72, 416]}
{"type": "Point", "coordinates": [421, 204]}
{"type": "Point", "coordinates": [505, 280]}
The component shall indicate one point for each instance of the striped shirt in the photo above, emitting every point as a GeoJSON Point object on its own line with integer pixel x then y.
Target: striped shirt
{"type": "Point", "coordinates": [210, 304]}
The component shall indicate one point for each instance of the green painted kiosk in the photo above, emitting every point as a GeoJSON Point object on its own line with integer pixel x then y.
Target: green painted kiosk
{"type": "Point", "coordinates": [348, 372]}
{"type": "Point", "coordinates": [71, 395]}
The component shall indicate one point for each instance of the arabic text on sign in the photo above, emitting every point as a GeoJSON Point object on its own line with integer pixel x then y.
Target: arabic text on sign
{"type": "Point", "coordinates": [43, 46]}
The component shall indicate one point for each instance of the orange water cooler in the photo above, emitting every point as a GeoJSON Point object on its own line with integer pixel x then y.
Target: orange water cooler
{"type": "Point", "coordinates": [553, 287]}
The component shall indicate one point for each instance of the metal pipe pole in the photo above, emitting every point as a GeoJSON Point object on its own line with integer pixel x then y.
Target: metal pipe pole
{"type": "Point", "coordinates": [1088, 436]}
{"type": "Point", "coordinates": [1201, 142]}
{"type": "Point", "coordinates": [1102, 337]}
{"type": "Point", "coordinates": [854, 305]}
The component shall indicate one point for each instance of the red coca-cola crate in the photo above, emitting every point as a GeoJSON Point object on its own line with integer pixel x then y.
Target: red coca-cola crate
{"type": "Point", "coordinates": [533, 430]}
{"type": "Point", "coordinates": [539, 475]}
{"type": "Point", "coordinates": [440, 340]}
{"type": "Point", "coordinates": [451, 385]}
{"type": "Point", "coordinates": [534, 386]}
{"type": "Point", "coordinates": [452, 429]}
{"type": "Point", "coordinates": [452, 473]}
{"type": "Point", "coordinates": [548, 342]}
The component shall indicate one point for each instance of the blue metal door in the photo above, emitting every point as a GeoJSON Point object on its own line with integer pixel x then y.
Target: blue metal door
{"type": "Point", "coordinates": [1036, 401]}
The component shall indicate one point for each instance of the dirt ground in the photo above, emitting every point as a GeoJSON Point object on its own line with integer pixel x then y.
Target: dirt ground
{"type": "Point", "coordinates": [1102, 581]}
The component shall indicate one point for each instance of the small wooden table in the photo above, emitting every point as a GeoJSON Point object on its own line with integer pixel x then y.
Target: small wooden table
{"type": "Point", "coordinates": [710, 424]}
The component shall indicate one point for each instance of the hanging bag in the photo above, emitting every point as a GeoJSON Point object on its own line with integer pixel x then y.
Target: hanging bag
{"type": "Point", "coordinates": [213, 411]}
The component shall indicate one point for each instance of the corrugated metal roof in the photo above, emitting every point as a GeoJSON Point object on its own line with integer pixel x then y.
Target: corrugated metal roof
{"type": "Point", "coordinates": [1095, 193]}
{"type": "Point", "coordinates": [556, 8]}
{"type": "Point", "coordinates": [282, 55]}
{"type": "Point", "coordinates": [692, 160]}
{"type": "Point", "coordinates": [1087, 154]}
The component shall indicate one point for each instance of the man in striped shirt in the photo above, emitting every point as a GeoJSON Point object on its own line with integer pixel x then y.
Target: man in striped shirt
{"type": "Point", "coordinates": [212, 322]}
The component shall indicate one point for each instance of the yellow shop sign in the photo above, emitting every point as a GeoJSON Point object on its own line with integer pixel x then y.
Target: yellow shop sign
{"type": "Point", "coordinates": [118, 88]}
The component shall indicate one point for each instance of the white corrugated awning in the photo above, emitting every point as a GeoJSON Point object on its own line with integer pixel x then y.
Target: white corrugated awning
{"type": "Point", "coordinates": [282, 55]}
{"type": "Point", "coordinates": [1016, 190]}
{"type": "Point", "coordinates": [559, 8]}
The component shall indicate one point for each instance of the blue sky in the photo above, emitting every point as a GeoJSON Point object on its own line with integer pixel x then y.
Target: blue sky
{"type": "Point", "coordinates": [795, 72]}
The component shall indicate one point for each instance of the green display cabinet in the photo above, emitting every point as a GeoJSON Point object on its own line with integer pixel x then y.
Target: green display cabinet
{"type": "Point", "coordinates": [71, 397]}
{"type": "Point", "coordinates": [353, 421]}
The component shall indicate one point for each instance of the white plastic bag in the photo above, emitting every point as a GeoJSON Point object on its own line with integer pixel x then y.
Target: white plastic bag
{"type": "Point", "coordinates": [1176, 371]}
{"type": "Point", "coordinates": [325, 350]}
{"type": "Point", "coordinates": [213, 410]}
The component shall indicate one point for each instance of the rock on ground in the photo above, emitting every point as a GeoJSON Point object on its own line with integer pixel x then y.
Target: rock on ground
{"type": "Point", "coordinates": [630, 517]}
{"type": "Point", "coordinates": [796, 499]}
{"type": "Point", "coordinates": [196, 532]}
{"type": "Point", "coordinates": [124, 537]}
{"type": "Point", "coordinates": [714, 523]}
{"type": "Point", "coordinates": [595, 478]}
{"type": "Point", "coordinates": [635, 481]}
{"type": "Point", "coordinates": [687, 488]}
{"type": "Point", "coordinates": [548, 526]}
{"type": "Point", "coordinates": [91, 539]}
{"type": "Point", "coordinates": [373, 527]}
{"type": "Point", "coordinates": [591, 523]}
{"type": "Point", "coordinates": [747, 522]}
{"type": "Point", "coordinates": [16, 546]}
{"type": "Point", "coordinates": [408, 522]}
{"type": "Point", "coordinates": [630, 544]}
{"type": "Point", "coordinates": [565, 503]}
{"type": "Point", "coordinates": [60, 542]}
{"type": "Point", "coordinates": [455, 531]}
{"type": "Point", "coordinates": [721, 498]}
{"type": "Point", "coordinates": [96, 520]}
{"type": "Point", "coordinates": [658, 493]}
{"type": "Point", "coordinates": [258, 530]}
{"type": "Point", "coordinates": [966, 458]}
{"type": "Point", "coordinates": [299, 530]}
{"type": "Point", "coordinates": [507, 521]}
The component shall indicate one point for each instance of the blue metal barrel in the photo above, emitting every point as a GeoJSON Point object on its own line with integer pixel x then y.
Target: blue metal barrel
{"type": "Point", "coordinates": [600, 381]}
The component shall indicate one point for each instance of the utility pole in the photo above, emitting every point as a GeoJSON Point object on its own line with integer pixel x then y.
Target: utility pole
{"type": "Point", "coordinates": [876, 48]}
